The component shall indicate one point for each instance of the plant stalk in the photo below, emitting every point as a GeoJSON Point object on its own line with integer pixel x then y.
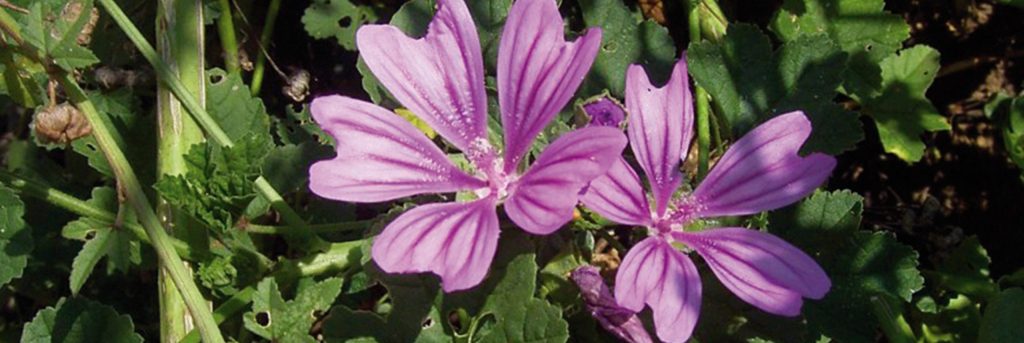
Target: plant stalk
{"type": "Point", "coordinates": [303, 238]}
{"type": "Point", "coordinates": [701, 99]}
{"type": "Point", "coordinates": [181, 42]}
{"type": "Point", "coordinates": [128, 184]}
{"type": "Point", "coordinates": [261, 60]}
{"type": "Point", "coordinates": [226, 29]}
{"type": "Point", "coordinates": [318, 228]}
{"type": "Point", "coordinates": [137, 199]}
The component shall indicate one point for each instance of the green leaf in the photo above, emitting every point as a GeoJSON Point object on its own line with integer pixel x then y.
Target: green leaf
{"type": "Point", "coordinates": [518, 315]}
{"type": "Point", "coordinates": [120, 247]}
{"type": "Point", "coordinates": [1017, 3]}
{"type": "Point", "coordinates": [1008, 114]}
{"type": "Point", "coordinates": [94, 249]}
{"type": "Point", "coordinates": [338, 19]}
{"type": "Point", "coordinates": [862, 28]}
{"type": "Point", "coordinates": [121, 111]}
{"type": "Point", "coordinates": [828, 213]}
{"type": "Point", "coordinates": [286, 167]}
{"type": "Point", "coordinates": [751, 83]}
{"type": "Point", "coordinates": [233, 106]}
{"type": "Point", "coordinates": [1001, 322]}
{"type": "Point", "coordinates": [218, 184]}
{"type": "Point", "coordinates": [79, 320]}
{"type": "Point", "coordinates": [901, 111]}
{"type": "Point", "coordinates": [956, 321]}
{"type": "Point", "coordinates": [50, 28]}
{"type": "Point", "coordinates": [626, 39]}
{"type": "Point", "coordinates": [15, 237]}
{"type": "Point", "coordinates": [278, 320]}
{"type": "Point", "coordinates": [965, 270]}
{"type": "Point", "coordinates": [413, 316]}
{"type": "Point", "coordinates": [861, 264]}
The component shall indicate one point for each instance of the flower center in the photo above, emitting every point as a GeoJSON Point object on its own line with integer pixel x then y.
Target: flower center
{"type": "Point", "coordinates": [491, 167]}
{"type": "Point", "coordinates": [682, 213]}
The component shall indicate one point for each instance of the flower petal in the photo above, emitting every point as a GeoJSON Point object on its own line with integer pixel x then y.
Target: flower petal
{"type": "Point", "coordinates": [380, 156]}
{"type": "Point", "coordinates": [619, 321]}
{"type": "Point", "coordinates": [660, 128]}
{"type": "Point", "coordinates": [544, 197]}
{"type": "Point", "coordinates": [656, 274]}
{"type": "Point", "coordinates": [761, 269]}
{"type": "Point", "coordinates": [618, 195]}
{"type": "Point", "coordinates": [456, 241]}
{"type": "Point", "coordinates": [762, 171]}
{"type": "Point", "coordinates": [604, 111]}
{"type": "Point", "coordinates": [538, 71]}
{"type": "Point", "coordinates": [439, 77]}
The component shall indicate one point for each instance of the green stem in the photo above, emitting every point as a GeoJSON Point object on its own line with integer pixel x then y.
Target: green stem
{"type": "Point", "coordinates": [136, 197]}
{"type": "Point", "coordinates": [226, 29]}
{"type": "Point", "coordinates": [337, 258]}
{"type": "Point", "coordinates": [80, 207]}
{"type": "Point", "coordinates": [893, 324]}
{"type": "Point", "coordinates": [265, 35]}
{"type": "Point", "coordinates": [213, 130]}
{"type": "Point", "coordinates": [317, 228]}
{"type": "Point", "coordinates": [181, 42]}
{"type": "Point", "coordinates": [702, 120]}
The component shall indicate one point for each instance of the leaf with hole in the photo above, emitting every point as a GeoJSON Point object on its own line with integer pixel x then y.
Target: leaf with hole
{"type": "Point", "coordinates": [282, 321]}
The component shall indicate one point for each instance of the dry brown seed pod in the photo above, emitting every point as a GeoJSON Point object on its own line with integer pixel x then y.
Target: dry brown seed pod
{"type": "Point", "coordinates": [60, 124]}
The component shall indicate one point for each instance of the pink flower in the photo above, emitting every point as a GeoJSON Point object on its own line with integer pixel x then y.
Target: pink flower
{"type": "Point", "coordinates": [761, 171]}
{"type": "Point", "coordinates": [440, 78]}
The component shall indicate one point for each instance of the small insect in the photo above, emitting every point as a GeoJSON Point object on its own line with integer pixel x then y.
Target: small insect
{"type": "Point", "coordinates": [297, 87]}
{"type": "Point", "coordinates": [110, 78]}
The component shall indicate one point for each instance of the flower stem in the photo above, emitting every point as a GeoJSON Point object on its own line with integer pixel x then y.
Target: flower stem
{"type": "Point", "coordinates": [80, 207]}
{"type": "Point", "coordinates": [261, 59]}
{"type": "Point", "coordinates": [701, 99]}
{"type": "Point", "coordinates": [317, 228]}
{"type": "Point", "coordinates": [181, 42]}
{"type": "Point", "coordinates": [302, 237]}
{"type": "Point", "coordinates": [226, 29]}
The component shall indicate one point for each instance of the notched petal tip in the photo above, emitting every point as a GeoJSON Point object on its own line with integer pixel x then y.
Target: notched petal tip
{"type": "Point", "coordinates": [438, 77]}
{"type": "Point", "coordinates": [538, 71]}
{"type": "Point", "coordinates": [763, 170]}
{"type": "Point", "coordinates": [656, 274]}
{"type": "Point", "coordinates": [660, 128]}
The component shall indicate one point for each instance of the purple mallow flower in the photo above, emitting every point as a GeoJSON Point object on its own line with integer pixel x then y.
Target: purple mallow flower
{"type": "Point", "coordinates": [440, 78]}
{"type": "Point", "coordinates": [621, 322]}
{"type": "Point", "coordinates": [761, 171]}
